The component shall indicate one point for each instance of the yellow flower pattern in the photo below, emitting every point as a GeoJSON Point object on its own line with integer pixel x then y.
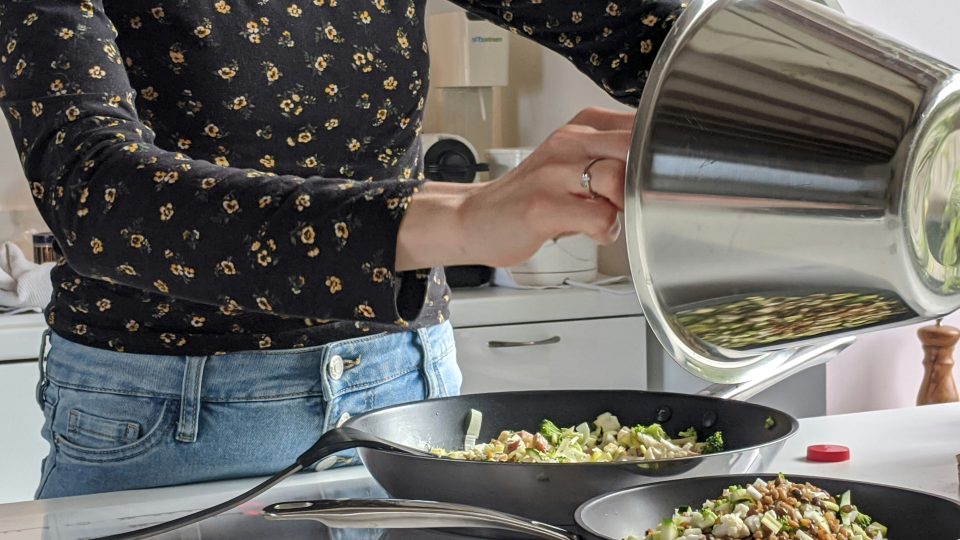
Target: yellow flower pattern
{"type": "Point", "coordinates": [228, 175]}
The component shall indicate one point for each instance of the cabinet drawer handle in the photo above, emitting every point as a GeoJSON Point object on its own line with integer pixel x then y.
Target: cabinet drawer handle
{"type": "Point", "coordinates": [503, 344]}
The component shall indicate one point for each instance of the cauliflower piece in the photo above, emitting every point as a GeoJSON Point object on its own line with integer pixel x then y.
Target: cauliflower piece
{"type": "Point", "coordinates": [697, 520]}
{"type": "Point", "coordinates": [752, 523]}
{"type": "Point", "coordinates": [741, 510]}
{"type": "Point", "coordinates": [732, 526]}
{"type": "Point", "coordinates": [692, 534]}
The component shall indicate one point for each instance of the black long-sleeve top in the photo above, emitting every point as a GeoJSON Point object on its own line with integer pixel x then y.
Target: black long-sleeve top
{"type": "Point", "coordinates": [227, 175]}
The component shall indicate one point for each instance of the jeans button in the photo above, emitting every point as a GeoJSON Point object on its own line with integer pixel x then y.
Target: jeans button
{"type": "Point", "coordinates": [335, 367]}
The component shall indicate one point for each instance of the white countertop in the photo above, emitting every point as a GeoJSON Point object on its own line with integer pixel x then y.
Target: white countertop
{"type": "Point", "coordinates": [914, 448]}
{"type": "Point", "coordinates": [484, 306]}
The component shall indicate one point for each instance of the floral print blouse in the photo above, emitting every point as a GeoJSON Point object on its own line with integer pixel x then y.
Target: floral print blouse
{"type": "Point", "coordinates": [226, 175]}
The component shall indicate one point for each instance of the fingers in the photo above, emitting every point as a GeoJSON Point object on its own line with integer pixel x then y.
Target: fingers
{"type": "Point", "coordinates": [581, 144]}
{"type": "Point", "coordinates": [596, 218]}
{"type": "Point", "coordinates": [607, 178]}
{"type": "Point", "coordinates": [605, 119]}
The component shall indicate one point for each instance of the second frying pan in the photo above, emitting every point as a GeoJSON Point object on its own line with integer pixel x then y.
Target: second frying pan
{"type": "Point", "coordinates": [908, 514]}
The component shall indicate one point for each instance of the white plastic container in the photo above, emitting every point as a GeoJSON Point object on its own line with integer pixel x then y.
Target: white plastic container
{"type": "Point", "coordinates": [503, 160]}
{"type": "Point", "coordinates": [571, 257]}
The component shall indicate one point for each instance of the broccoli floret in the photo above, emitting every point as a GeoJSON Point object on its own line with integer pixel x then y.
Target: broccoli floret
{"type": "Point", "coordinates": [769, 423]}
{"type": "Point", "coordinates": [864, 520]}
{"type": "Point", "coordinates": [713, 444]}
{"type": "Point", "coordinates": [550, 430]}
{"type": "Point", "coordinates": [688, 433]}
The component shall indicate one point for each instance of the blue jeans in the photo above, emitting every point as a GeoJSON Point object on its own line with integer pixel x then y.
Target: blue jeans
{"type": "Point", "coordinates": [118, 421]}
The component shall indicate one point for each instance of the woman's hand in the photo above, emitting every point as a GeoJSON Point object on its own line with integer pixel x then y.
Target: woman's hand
{"type": "Point", "coordinates": [504, 222]}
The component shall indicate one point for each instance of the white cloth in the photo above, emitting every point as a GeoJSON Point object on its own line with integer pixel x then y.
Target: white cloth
{"type": "Point", "coordinates": [24, 285]}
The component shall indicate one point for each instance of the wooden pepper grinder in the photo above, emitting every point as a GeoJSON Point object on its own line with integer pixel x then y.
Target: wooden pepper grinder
{"type": "Point", "coordinates": [938, 384]}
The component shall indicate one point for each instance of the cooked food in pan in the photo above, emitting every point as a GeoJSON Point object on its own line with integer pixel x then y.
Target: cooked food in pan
{"type": "Point", "coordinates": [777, 509]}
{"type": "Point", "coordinates": [607, 441]}
{"type": "Point", "coordinates": [764, 320]}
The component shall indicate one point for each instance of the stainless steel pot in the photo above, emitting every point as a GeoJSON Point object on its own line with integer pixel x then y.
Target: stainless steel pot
{"type": "Point", "coordinates": [793, 179]}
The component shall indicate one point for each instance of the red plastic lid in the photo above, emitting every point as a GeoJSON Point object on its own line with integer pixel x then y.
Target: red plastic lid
{"type": "Point", "coordinates": [828, 453]}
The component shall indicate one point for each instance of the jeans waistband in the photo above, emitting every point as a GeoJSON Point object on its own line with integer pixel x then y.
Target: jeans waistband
{"type": "Point", "coordinates": [251, 375]}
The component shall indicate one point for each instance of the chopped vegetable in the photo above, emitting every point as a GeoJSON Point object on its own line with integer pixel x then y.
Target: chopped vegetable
{"type": "Point", "coordinates": [550, 431]}
{"type": "Point", "coordinates": [754, 321]}
{"type": "Point", "coordinates": [777, 509]}
{"type": "Point", "coordinates": [473, 428]}
{"type": "Point", "coordinates": [714, 443]}
{"type": "Point", "coordinates": [608, 441]}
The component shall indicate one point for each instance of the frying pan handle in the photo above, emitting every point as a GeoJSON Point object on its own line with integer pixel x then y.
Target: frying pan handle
{"type": "Point", "coordinates": [406, 514]}
{"type": "Point", "coordinates": [801, 359]}
{"type": "Point", "coordinates": [345, 438]}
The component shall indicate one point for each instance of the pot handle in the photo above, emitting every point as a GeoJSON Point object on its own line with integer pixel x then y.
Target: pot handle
{"type": "Point", "coordinates": [801, 359]}
{"type": "Point", "coordinates": [345, 438]}
{"type": "Point", "coordinates": [407, 514]}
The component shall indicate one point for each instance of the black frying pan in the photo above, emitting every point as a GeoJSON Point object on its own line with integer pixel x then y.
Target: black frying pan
{"type": "Point", "coordinates": [552, 492]}
{"type": "Point", "coordinates": [909, 515]}
{"type": "Point", "coordinates": [392, 440]}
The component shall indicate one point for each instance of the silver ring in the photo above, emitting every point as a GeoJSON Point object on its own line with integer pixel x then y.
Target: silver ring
{"type": "Point", "coordinates": [586, 178]}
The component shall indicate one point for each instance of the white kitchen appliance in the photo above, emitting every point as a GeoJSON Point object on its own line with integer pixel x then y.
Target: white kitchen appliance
{"type": "Point", "coordinates": [503, 160]}
{"type": "Point", "coordinates": [571, 258]}
{"type": "Point", "coordinates": [469, 60]}
{"type": "Point", "coordinates": [448, 157]}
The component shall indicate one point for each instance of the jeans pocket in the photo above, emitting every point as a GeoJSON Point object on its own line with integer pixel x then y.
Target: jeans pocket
{"type": "Point", "coordinates": [102, 427]}
{"type": "Point", "coordinates": [94, 431]}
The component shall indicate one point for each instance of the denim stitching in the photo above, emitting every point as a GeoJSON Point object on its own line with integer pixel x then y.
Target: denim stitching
{"type": "Point", "coordinates": [150, 440]}
{"type": "Point", "coordinates": [429, 386]}
{"type": "Point", "coordinates": [54, 448]}
{"type": "Point", "coordinates": [367, 384]}
{"type": "Point", "coordinates": [248, 399]}
{"type": "Point", "coordinates": [117, 391]}
{"type": "Point", "coordinates": [189, 400]}
{"type": "Point", "coordinates": [211, 399]}
{"type": "Point", "coordinates": [73, 426]}
{"type": "Point", "coordinates": [314, 348]}
{"type": "Point", "coordinates": [83, 431]}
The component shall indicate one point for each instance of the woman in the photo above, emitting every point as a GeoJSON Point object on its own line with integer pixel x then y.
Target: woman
{"type": "Point", "coordinates": [249, 252]}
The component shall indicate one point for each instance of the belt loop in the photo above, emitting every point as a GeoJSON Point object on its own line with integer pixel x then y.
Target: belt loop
{"type": "Point", "coordinates": [190, 399]}
{"type": "Point", "coordinates": [427, 367]}
{"type": "Point", "coordinates": [42, 366]}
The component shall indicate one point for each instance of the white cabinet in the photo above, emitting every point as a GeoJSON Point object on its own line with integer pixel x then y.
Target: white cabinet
{"type": "Point", "coordinates": [581, 354]}
{"type": "Point", "coordinates": [803, 395]}
{"type": "Point", "coordinates": [21, 446]}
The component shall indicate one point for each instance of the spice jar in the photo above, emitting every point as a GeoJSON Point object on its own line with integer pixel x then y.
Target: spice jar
{"type": "Point", "coordinates": [43, 248]}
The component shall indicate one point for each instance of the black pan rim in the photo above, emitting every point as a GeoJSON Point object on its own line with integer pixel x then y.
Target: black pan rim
{"type": "Point", "coordinates": [794, 428]}
{"type": "Point", "coordinates": [578, 515]}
